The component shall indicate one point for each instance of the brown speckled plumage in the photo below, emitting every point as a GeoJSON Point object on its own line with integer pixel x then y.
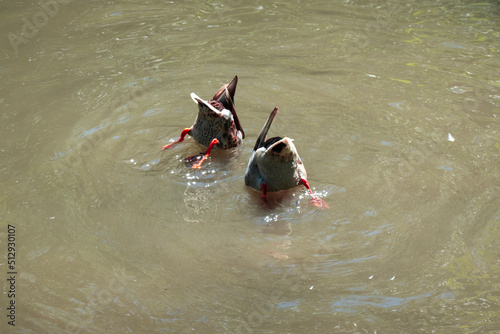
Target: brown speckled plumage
{"type": "Point", "coordinates": [209, 125]}
{"type": "Point", "coordinates": [217, 124]}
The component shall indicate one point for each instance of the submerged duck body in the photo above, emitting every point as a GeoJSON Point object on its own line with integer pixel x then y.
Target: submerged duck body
{"type": "Point", "coordinates": [277, 161]}
{"type": "Point", "coordinates": [276, 165]}
{"type": "Point", "coordinates": [217, 124]}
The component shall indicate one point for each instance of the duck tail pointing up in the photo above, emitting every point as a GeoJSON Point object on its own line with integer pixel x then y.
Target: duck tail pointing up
{"type": "Point", "coordinates": [263, 133]}
{"type": "Point", "coordinates": [225, 95]}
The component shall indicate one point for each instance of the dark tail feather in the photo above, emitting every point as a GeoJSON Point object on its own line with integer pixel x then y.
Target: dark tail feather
{"type": "Point", "coordinates": [225, 95]}
{"type": "Point", "coordinates": [263, 133]}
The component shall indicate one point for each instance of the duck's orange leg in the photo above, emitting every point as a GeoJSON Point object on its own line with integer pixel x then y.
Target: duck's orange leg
{"type": "Point", "coordinates": [183, 134]}
{"type": "Point", "coordinates": [264, 192]}
{"type": "Point", "coordinates": [205, 155]}
{"type": "Point", "coordinates": [316, 201]}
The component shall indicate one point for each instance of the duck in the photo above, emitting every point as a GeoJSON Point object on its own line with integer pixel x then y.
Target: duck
{"type": "Point", "coordinates": [217, 124]}
{"type": "Point", "coordinates": [275, 165]}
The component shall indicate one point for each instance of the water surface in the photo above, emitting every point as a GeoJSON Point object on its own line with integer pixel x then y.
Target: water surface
{"type": "Point", "coordinates": [394, 109]}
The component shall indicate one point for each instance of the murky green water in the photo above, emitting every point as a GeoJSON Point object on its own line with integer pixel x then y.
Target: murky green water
{"type": "Point", "coordinates": [394, 108]}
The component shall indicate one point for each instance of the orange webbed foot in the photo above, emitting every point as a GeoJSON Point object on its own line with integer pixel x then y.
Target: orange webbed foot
{"type": "Point", "coordinates": [197, 164]}
{"type": "Point", "coordinates": [315, 200]}
{"type": "Point", "coordinates": [319, 202]}
{"type": "Point", "coordinates": [202, 156]}
{"type": "Point", "coordinates": [169, 145]}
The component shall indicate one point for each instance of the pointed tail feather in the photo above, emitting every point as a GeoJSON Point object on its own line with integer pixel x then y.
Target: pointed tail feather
{"type": "Point", "coordinates": [225, 95]}
{"type": "Point", "coordinates": [263, 133]}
